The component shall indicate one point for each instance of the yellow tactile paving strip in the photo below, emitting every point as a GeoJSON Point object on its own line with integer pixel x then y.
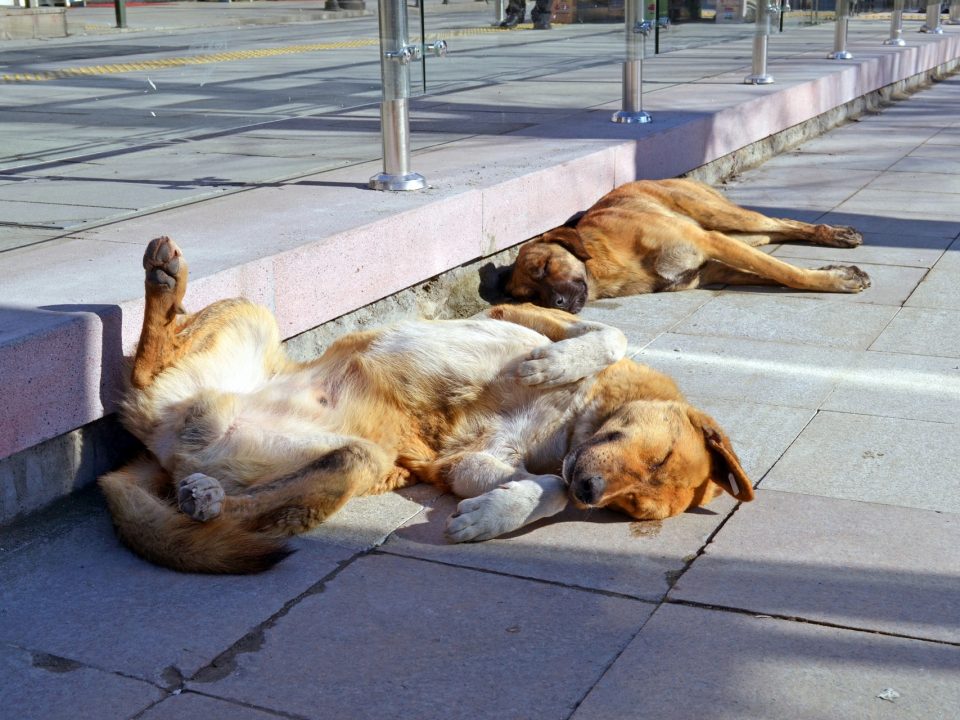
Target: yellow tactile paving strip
{"type": "Point", "coordinates": [165, 63]}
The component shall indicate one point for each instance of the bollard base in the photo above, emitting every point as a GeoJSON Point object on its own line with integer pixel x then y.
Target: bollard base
{"type": "Point", "coordinates": [386, 181]}
{"type": "Point", "coordinates": [897, 42]}
{"type": "Point", "coordinates": [631, 117]}
{"type": "Point", "coordinates": [840, 55]}
{"type": "Point", "coordinates": [758, 80]}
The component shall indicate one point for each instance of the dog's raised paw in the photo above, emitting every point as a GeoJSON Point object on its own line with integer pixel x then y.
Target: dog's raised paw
{"type": "Point", "coordinates": [161, 260]}
{"type": "Point", "coordinates": [849, 278]}
{"type": "Point", "coordinates": [200, 496]}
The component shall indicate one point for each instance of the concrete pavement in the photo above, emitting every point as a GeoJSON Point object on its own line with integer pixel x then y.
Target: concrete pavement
{"type": "Point", "coordinates": [835, 594]}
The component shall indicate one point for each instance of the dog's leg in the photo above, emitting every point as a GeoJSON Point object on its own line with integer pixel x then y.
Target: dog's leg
{"type": "Point", "coordinates": [712, 211]}
{"type": "Point", "coordinates": [579, 348]}
{"type": "Point", "coordinates": [743, 258]}
{"type": "Point", "coordinates": [165, 285]}
{"type": "Point", "coordinates": [296, 501]}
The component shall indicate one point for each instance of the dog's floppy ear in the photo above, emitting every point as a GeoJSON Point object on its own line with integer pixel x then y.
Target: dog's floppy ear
{"type": "Point", "coordinates": [726, 471]}
{"type": "Point", "coordinates": [569, 239]}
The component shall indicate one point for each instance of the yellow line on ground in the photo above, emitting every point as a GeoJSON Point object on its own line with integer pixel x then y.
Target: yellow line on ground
{"type": "Point", "coordinates": [167, 63]}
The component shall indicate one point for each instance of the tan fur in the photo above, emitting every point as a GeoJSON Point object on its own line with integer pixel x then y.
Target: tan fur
{"type": "Point", "coordinates": [247, 447]}
{"type": "Point", "coordinates": [664, 235]}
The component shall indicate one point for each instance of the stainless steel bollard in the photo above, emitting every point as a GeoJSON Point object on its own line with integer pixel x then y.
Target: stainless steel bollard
{"type": "Point", "coordinates": [499, 12]}
{"type": "Point", "coordinates": [840, 32]}
{"type": "Point", "coordinates": [636, 31]}
{"type": "Point", "coordinates": [396, 53]}
{"type": "Point", "coordinates": [954, 16]}
{"type": "Point", "coordinates": [758, 75]}
{"type": "Point", "coordinates": [932, 23]}
{"type": "Point", "coordinates": [896, 25]}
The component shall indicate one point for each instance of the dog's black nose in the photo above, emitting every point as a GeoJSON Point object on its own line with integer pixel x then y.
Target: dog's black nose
{"type": "Point", "coordinates": [559, 301]}
{"type": "Point", "coordinates": [588, 490]}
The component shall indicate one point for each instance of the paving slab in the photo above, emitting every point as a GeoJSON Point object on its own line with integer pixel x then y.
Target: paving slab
{"type": "Point", "coordinates": [909, 463]}
{"type": "Point", "coordinates": [898, 385]}
{"type": "Point", "coordinates": [892, 222]}
{"type": "Point", "coordinates": [925, 177]}
{"type": "Point", "coordinates": [940, 288]}
{"type": "Point", "coordinates": [696, 663]}
{"type": "Point", "coordinates": [922, 331]}
{"type": "Point", "coordinates": [599, 549]}
{"type": "Point", "coordinates": [768, 373]}
{"type": "Point", "coordinates": [815, 319]}
{"type": "Point", "coordinates": [643, 317]}
{"type": "Point", "coordinates": [38, 686]}
{"type": "Point", "coordinates": [192, 706]}
{"type": "Point", "coordinates": [392, 637]}
{"type": "Point", "coordinates": [83, 596]}
{"type": "Point", "coordinates": [903, 250]}
{"type": "Point", "coordinates": [850, 564]}
{"type": "Point", "coordinates": [929, 158]}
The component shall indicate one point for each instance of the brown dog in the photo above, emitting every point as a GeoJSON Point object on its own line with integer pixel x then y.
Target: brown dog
{"type": "Point", "coordinates": [519, 412]}
{"type": "Point", "coordinates": [664, 235]}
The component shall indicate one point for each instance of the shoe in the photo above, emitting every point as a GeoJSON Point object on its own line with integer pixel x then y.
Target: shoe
{"type": "Point", "coordinates": [541, 24]}
{"type": "Point", "coordinates": [512, 21]}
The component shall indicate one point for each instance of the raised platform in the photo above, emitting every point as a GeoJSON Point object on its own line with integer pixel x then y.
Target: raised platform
{"type": "Point", "coordinates": [32, 23]}
{"type": "Point", "coordinates": [319, 247]}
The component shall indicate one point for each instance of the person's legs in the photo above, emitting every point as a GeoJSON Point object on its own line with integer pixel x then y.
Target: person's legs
{"type": "Point", "coordinates": [516, 13]}
{"type": "Point", "coordinates": [541, 14]}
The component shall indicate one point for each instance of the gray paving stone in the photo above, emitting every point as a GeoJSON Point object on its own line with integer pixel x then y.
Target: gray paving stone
{"type": "Point", "coordinates": [900, 204]}
{"type": "Point", "coordinates": [946, 136]}
{"type": "Point", "coordinates": [749, 371]}
{"type": "Point", "coordinates": [37, 686]}
{"type": "Point", "coordinates": [922, 331]}
{"type": "Point", "coordinates": [365, 522]}
{"type": "Point", "coordinates": [191, 706]}
{"type": "Point", "coordinates": [391, 637]}
{"type": "Point", "coordinates": [941, 287]}
{"type": "Point", "coordinates": [922, 177]}
{"type": "Point", "coordinates": [915, 387]}
{"type": "Point", "coordinates": [879, 248]}
{"type": "Point", "coordinates": [695, 663]}
{"type": "Point", "coordinates": [83, 596]}
{"type": "Point", "coordinates": [760, 433]}
{"type": "Point", "coordinates": [852, 564]}
{"type": "Point", "coordinates": [904, 223]}
{"type": "Point", "coordinates": [643, 317]}
{"type": "Point", "coordinates": [894, 461]}
{"type": "Point", "coordinates": [929, 158]}
{"type": "Point", "coordinates": [772, 316]}
{"type": "Point", "coordinates": [600, 550]}
{"type": "Point", "coordinates": [51, 214]}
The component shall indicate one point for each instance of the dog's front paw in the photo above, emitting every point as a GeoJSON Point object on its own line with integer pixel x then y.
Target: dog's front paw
{"type": "Point", "coordinates": [840, 236]}
{"type": "Point", "coordinates": [200, 496]}
{"type": "Point", "coordinates": [486, 516]}
{"type": "Point", "coordinates": [162, 262]}
{"type": "Point", "coordinates": [547, 366]}
{"type": "Point", "coordinates": [848, 278]}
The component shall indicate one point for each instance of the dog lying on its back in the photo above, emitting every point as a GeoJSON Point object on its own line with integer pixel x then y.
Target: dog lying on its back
{"type": "Point", "coordinates": [664, 235]}
{"type": "Point", "coordinates": [518, 412]}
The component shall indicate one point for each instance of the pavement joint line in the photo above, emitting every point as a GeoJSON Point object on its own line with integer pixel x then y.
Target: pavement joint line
{"type": "Point", "coordinates": [226, 660]}
{"type": "Point", "coordinates": [35, 654]}
{"type": "Point", "coordinates": [166, 63]}
{"type": "Point", "coordinates": [230, 701]}
{"type": "Point", "coordinates": [759, 614]}
{"type": "Point", "coordinates": [487, 571]}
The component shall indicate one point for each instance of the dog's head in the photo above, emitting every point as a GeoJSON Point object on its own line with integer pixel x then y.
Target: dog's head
{"type": "Point", "coordinates": [550, 271]}
{"type": "Point", "coordinates": [652, 460]}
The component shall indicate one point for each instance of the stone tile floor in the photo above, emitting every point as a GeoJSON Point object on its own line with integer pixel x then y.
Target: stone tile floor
{"type": "Point", "coordinates": [835, 594]}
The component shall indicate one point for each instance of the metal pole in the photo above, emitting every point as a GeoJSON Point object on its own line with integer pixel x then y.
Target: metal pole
{"type": "Point", "coordinates": [761, 37]}
{"type": "Point", "coordinates": [395, 56]}
{"type": "Point", "coordinates": [500, 12]}
{"type": "Point", "coordinates": [954, 17]}
{"type": "Point", "coordinates": [840, 32]}
{"type": "Point", "coordinates": [896, 25]}
{"type": "Point", "coordinates": [120, 10]}
{"type": "Point", "coordinates": [932, 24]}
{"type": "Point", "coordinates": [636, 31]}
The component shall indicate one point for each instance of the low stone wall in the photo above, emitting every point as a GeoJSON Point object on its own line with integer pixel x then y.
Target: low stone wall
{"type": "Point", "coordinates": [32, 23]}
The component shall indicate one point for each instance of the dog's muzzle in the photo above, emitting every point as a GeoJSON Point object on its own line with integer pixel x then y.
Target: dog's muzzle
{"type": "Point", "coordinates": [569, 296]}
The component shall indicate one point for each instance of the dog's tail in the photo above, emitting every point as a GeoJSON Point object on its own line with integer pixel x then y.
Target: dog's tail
{"type": "Point", "coordinates": [155, 528]}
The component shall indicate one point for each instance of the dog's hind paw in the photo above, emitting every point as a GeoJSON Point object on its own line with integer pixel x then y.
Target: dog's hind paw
{"type": "Point", "coordinates": [840, 236]}
{"type": "Point", "coordinates": [200, 496]}
{"type": "Point", "coordinates": [848, 278]}
{"type": "Point", "coordinates": [162, 262]}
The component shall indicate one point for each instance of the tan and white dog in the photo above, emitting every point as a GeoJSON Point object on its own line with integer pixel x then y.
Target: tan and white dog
{"type": "Point", "coordinates": [519, 412]}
